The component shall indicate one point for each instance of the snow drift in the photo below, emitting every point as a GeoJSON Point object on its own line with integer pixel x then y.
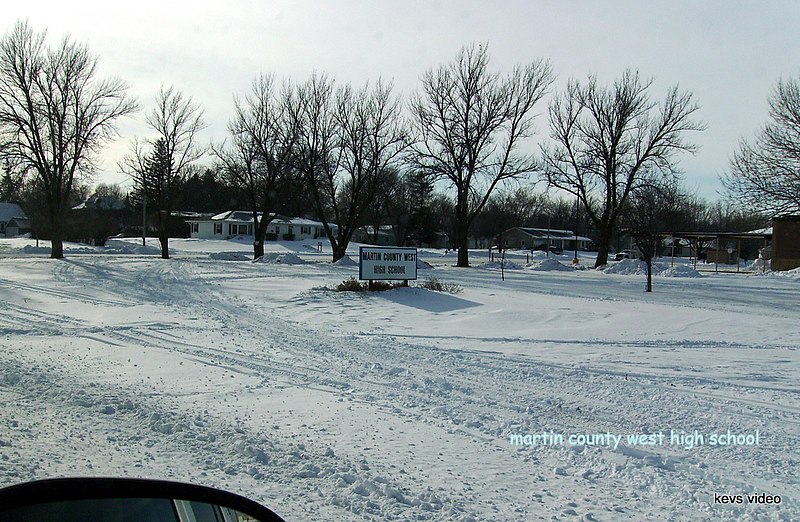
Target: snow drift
{"type": "Point", "coordinates": [279, 258]}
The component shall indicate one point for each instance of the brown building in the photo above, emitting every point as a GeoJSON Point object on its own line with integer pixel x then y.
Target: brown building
{"type": "Point", "coordinates": [785, 243]}
{"type": "Point", "coordinates": [538, 238]}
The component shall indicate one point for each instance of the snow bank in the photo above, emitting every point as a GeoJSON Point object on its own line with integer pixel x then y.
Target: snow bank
{"type": "Point", "coordinates": [68, 249]}
{"type": "Point", "coordinates": [680, 271]}
{"type": "Point", "coordinates": [784, 274]}
{"type": "Point", "coordinates": [637, 267]}
{"type": "Point", "coordinates": [759, 265]}
{"type": "Point", "coordinates": [277, 258]}
{"type": "Point", "coordinates": [116, 246]}
{"type": "Point", "coordinates": [791, 274]}
{"type": "Point", "coordinates": [345, 261]}
{"type": "Point", "coordinates": [229, 256]}
{"type": "Point", "coordinates": [625, 267]}
{"type": "Point", "coordinates": [29, 249]}
{"type": "Point", "coordinates": [549, 264]}
{"type": "Point", "coordinates": [423, 265]}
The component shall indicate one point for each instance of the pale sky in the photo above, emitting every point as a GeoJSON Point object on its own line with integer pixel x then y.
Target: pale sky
{"type": "Point", "coordinates": [729, 54]}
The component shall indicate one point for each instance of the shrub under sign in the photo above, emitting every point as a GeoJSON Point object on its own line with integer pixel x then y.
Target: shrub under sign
{"type": "Point", "coordinates": [387, 263]}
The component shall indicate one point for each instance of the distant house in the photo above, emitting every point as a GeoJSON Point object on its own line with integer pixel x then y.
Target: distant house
{"type": "Point", "coordinates": [384, 236]}
{"type": "Point", "coordinates": [98, 218]}
{"type": "Point", "coordinates": [101, 203]}
{"type": "Point", "coordinates": [524, 238]}
{"type": "Point", "coordinates": [234, 223]}
{"type": "Point", "coordinates": [13, 221]}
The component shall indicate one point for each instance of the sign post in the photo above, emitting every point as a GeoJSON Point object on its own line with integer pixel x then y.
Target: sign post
{"type": "Point", "coordinates": [387, 263]}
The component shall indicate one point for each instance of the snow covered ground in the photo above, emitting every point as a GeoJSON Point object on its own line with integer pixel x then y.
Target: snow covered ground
{"type": "Point", "coordinates": [402, 405]}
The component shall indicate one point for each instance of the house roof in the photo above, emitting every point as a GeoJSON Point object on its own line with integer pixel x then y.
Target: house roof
{"type": "Point", "coordinates": [544, 233]}
{"type": "Point", "coordinates": [11, 210]}
{"type": "Point", "coordinates": [246, 216]}
{"type": "Point", "coordinates": [19, 222]}
{"type": "Point", "coordinates": [101, 203]}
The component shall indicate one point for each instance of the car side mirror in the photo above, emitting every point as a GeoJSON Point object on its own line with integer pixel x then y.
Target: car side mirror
{"type": "Point", "coordinates": [126, 500]}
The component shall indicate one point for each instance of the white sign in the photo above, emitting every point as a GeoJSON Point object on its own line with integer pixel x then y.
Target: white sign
{"type": "Point", "coordinates": [384, 263]}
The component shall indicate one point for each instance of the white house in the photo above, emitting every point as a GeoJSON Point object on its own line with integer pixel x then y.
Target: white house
{"type": "Point", "coordinates": [13, 221]}
{"type": "Point", "coordinates": [234, 223]}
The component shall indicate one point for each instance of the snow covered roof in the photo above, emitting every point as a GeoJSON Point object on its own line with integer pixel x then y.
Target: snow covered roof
{"type": "Point", "coordinates": [761, 231]}
{"type": "Point", "coordinates": [544, 233]}
{"type": "Point", "coordinates": [21, 222]}
{"type": "Point", "coordinates": [234, 215]}
{"type": "Point", "coordinates": [10, 210]}
{"type": "Point", "coordinates": [246, 216]}
{"type": "Point", "coordinates": [101, 203]}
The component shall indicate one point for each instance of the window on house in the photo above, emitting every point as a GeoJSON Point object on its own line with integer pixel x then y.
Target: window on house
{"type": "Point", "coordinates": [218, 229]}
{"type": "Point", "coordinates": [195, 228]}
{"type": "Point", "coordinates": [305, 230]}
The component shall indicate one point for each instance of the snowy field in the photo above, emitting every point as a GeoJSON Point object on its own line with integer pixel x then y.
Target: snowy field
{"type": "Point", "coordinates": [403, 405]}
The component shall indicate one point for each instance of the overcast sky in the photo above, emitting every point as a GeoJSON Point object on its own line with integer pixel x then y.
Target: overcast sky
{"type": "Point", "coordinates": [729, 54]}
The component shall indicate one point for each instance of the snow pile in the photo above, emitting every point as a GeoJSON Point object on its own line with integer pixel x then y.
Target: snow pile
{"type": "Point", "coordinates": [637, 267]}
{"type": "Point", "coordinates": [791, 274]}
{"type": "Point", "coordinates": [345, 261]}
{"type": "Point", "coordinates": [30, 249]}
{"type": "Point", "coordinates": [785, 274]}
{"type": "Point", "coordinates": [116, 246]}
{"type": "Point", "coordinates": [229, 256]}
{"type": "Point", "coordinates": [759, 265]}
{"type": "Point", "coordinates": [68, 249]}
{"type": "Point", "coordinates": [626, 267]}
{"type": "Point", "coordinates": [280, 258]}
{"type": "Point", "coordinates": [549, 265]}
{"type": "Point", "coordinates": [422, 265]}
{"type": "Point", "coordinates": [679, 271]}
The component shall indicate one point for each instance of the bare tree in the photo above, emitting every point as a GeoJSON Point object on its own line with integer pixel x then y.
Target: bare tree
{"type": "Point", "coordinates": [55, 116]}
{"type": "Point", "coordinates": [161, 165]}
{"type": "Point", "coordinates": [348, 141]}
{"type": "Point", "coordinates": [505, 209]}
{"type": "Point", "coordinates": [471, 123]}
{"type": "Point", "coordinates": [651, 211]}
{"type": "Point", "coordinates": [605, 139]}
{"type": "Point", "coordinates": [765, 174]}
{"type": "Point", "coordinates": [259, 157]}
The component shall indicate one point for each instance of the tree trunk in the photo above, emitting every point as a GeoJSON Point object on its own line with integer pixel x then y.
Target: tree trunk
{"type": "Point", "coordinates": [56, 248]}
{"type": "Point", "coordinates": [462, 240]}
{"type": "Point", "coordinates": [604, 243]}
{"type": "Point", "coordinates": [339, 251]}
{"type": "Point", "coordinates": [163, 238]}
{"type": "Point", "coordinates": [56, 235]}
{"type": "Point", "coordinates": [463, 249]}
{"type": "Point", "coordinates": [163, 233]}
{"type": "Point", "coordinates": [649, 263]}
{"type": "Point", "coordinates": [258, 248]}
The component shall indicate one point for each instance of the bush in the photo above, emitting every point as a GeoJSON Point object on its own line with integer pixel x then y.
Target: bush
{"type": "Point", "coordinates": [354, 285]}
{"type": "Point", "coordinates": [437, 286]}
{"type": "Point", "coordinates": [288, 237]}
{"type": "Point", "coordinates": [271, 236]}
